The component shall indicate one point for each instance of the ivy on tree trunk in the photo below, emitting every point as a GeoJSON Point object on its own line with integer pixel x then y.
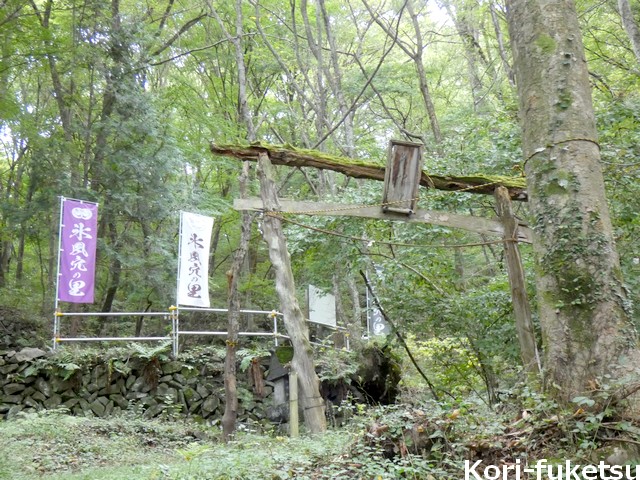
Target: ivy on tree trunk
{"type": "Point", "coordinates": [584, 314]}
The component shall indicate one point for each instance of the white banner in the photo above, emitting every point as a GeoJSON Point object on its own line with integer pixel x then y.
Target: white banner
{"type": "Point", "coordinates": [322, 306]}
{"type": "Point", "coordinates": [193, 261]}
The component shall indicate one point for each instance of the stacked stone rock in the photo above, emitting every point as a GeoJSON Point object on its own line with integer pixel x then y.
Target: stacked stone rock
{"type": "Point", "coordinates": [29, 382]}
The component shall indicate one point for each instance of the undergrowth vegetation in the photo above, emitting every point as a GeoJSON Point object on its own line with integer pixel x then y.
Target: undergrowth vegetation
{"type": "Point", "coordinates": [423, 440]}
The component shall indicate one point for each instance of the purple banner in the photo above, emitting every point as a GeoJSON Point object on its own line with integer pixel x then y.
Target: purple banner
{"type": "Point", "coordinates": [77, 251]}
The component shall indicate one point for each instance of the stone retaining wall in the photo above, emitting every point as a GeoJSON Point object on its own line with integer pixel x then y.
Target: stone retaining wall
{"type": "Point", "coordinates": [32, 380]}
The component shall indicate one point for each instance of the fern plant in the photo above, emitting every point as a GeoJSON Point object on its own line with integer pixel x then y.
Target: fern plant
{"type": "Point", "coordinates": [152, 356]}
{"type": "Point", "coordinates": [246, 356]}
{"type": "Point", "coordinates": [150, 353]}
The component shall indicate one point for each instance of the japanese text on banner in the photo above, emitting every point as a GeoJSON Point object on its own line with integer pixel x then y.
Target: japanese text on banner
{"type": "Point", "coordinates": [78, 241]}
{"type": "Point", "coordinates": [193, 269]}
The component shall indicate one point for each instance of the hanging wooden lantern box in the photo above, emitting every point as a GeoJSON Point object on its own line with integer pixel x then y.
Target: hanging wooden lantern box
{"type": "Point", "coordinates": [402, 177]}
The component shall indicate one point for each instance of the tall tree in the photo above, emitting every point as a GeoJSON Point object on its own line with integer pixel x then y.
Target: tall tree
{"type": "Point", "coordinates": [630, 25]}
{"type": "Point", "coordinates": [414, 47]}
{"type": "Point", "coordinates": [462, 16]}
{"type": "Point", "coordinates": [584, 312]}
{"type": "Point", "coordinates": [230, 382]}
{"type": "Point", "coordinates": [502, 51]}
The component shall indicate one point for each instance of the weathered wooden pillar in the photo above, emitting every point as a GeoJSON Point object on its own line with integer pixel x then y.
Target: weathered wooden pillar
{"type": "Point", "coordinates": [293, 404]}
{"type": "Point", "coordinates": [519, 297]}
{"type": "Point", "coordinates": [302, 362]}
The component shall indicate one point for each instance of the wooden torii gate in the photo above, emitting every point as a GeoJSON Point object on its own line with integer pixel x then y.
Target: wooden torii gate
{"type": "Point", "coordinates": [402, 176]}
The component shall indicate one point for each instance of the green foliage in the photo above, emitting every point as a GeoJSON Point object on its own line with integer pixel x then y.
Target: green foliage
{"type": "Point", "coordinates": [119, 107]}
{"type": "Point", "coordinates": [619, 121]}
{"type": "Point", "coordinates": [451, 365]}
{"type": "Point", "coordinates": [247, 355]}
{"type": "Point", "coordinates": [56, 445]}
{"type": "Point", "coordinates": [200, 353]}
{"type": "Point", "coordinates": [284, 354]}
{"type": "Point", "coordinates": [152, 352]}
{"type": "Point", "coordinates": [424, 440]}
{"type": "Point", "coordinates": [65, 363]}
{"type": "Point", "coordinates": [117, 365]}
{"type": "Point", "coordinates": [337, 365]}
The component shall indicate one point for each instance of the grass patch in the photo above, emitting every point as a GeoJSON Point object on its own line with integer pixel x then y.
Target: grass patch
{"type": "Point", "coordinates": [57, 446]}
{"type": "Point", "coordinates": [429, 440]}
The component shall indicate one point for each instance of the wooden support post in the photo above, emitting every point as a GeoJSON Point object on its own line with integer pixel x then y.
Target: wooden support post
{"type": "Point", "coordinates": [294, 320]}
{"type": "Point", "coordinates": [519, 297]}
{"type": "Point", "coordinates": [293, 404]}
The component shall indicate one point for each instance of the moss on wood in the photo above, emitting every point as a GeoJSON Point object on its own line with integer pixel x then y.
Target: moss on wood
{"type": "Point", "coordinates": [298, 157]}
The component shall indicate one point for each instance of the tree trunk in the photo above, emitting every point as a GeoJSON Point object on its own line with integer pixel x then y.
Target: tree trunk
{"type": "Point", "coordinates": [414, 50]}
{"type": "Point", "coordinates": [472, 51]}
{"type": "Point", "coordinates": [6, 248]}
{"type": "Point", "coordinates": [62, 94]}
{"type": "Point", "coordinates": [22, 239]}
{"type": "Point", "coordinates": [320, 91]}
{"type": "Point", "coordinates": [355, 322]}
{"type": "Point", "coordinates": [233, 275]}
{"type": "Point", "coordinates": [335, 81]}
{"type": "Point", "coordinates": [584, 312]}
{"type": "Point", "coordinates": [298, 331]}
{"type": "Point", "coordinates": [215, 239]}
{"type": "Point", "coordinates": [20, 256]}
{"type": "Point", "coordinates": [630, 26]}
{"type": "Point", "coordinates": [503, 52]}
{"type": "Point", "coordinates": [115, 270]}
{"type": "Point", "coordinates": [422, 78]}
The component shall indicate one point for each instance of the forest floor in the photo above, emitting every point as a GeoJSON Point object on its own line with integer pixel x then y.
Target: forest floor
{"type": "Point", "coordinates": [400, 441]}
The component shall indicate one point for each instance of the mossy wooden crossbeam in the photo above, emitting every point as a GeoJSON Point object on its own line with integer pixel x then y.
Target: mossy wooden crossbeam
{"type": "Point", "coordinates": [295, 157]}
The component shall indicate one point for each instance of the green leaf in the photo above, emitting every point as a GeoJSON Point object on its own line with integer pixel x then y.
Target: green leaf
{"type": "Point", "coordinates": [584, 401]}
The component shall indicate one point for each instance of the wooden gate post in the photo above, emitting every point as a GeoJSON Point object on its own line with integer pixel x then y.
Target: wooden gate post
{"type": "Point", "coordinates": [302, 362]}
{"type": "Point", "coordinates": [293, 404]}
{"type": "Point", "coordinates": [519, 297]}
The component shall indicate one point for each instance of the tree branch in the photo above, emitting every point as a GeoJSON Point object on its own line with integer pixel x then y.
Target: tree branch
{"type": "Point", "coordinates": [178, 34]}
{"type": "Point", "coordinates": [193, 50]}
{"type": "Point", "coordinates": [432, 388]}
{"type": "Point", "coordinates": [364, 88]}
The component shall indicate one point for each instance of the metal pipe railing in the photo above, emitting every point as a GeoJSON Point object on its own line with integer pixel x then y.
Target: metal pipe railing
{"type": "Point", "coordinates": [110, 339]}
{"type": "Point", "coordinates": [112, 314]}
{"type": "Point", "coordinates": [174, 315]}
{"type": "Point", "coordinates": [226, 310]}
{"type": "Point", "coordinates": [241, 334]}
